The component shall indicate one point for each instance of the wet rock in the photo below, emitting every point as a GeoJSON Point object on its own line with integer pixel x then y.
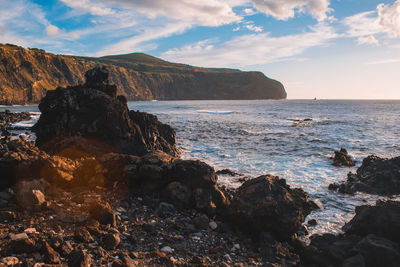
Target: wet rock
{"type": "Point", "coordinates": [375, 176]}
{"type": "Point", "coordinates": [267, 204]}
{"type": "Point", "coordinates": [102, 122]}
{"type": "Point", "coordinates": [342, 158]}
{"type": "Point", "coordinates": [383, 219]}
{"type": "Point", "coordinates": [111, 241]}
{"type": "Point", "coordinates": [312, 222]}
{"type": "Point", "coordinates": [79, 258]}
{"type": "Point", "coordinates": [165, 209]}
{"type": "Point", "coordinates": [102, 212]}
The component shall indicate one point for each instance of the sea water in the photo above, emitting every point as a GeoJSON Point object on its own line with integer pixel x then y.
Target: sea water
{"type": "Point", "coordinates": [293, 139]}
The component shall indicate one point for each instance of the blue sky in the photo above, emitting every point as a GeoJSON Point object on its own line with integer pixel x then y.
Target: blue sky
{"type": "Point", "coordinates": [316, 48]}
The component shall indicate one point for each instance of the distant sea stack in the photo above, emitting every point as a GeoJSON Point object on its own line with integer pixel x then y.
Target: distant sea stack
{"type": "Point", "coordinates": [27, 74]}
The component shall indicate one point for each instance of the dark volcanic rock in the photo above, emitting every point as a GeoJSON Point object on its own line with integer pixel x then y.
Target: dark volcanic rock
{"type": "Point", "coordinates": [371, 239]}
{"type": "Point", "coordinates": [383, 219]}
{"type": "Point", "coordinates": [267, 204]}
{"type": "Point", "coordinates": [93, 112]}
{"type": "Point", "coordinates": [102, 212]}
{"type": "Point", "coordinates": [8, 117]}
{"type": "Point", "coordinates": [342, 158]}
{"type": "Point", "coordinates": [79, 258]}
{"type": "Point", "coordinates": [375, 176]}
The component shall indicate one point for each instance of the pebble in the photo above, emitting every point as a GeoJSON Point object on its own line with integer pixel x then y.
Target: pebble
{"type": "Point", "coordinates": [10, 261]}
{"type": "Point", "coordinates": [213, 225]}
{"type": "Point", "coordinates": [30, 231]}
{"type": "Point", "coordinates": [167, 249]}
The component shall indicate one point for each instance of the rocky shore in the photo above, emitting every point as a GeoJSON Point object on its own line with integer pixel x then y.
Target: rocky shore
{"type": "Point", "coordinates": [104, 186]}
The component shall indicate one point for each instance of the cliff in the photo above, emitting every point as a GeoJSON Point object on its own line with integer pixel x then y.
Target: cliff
{"type": "Point", "coordinates": [26, 75]}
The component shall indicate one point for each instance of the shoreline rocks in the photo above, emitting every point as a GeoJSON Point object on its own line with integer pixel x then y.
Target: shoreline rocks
{"type": "Point", "coordinates": [380, 176]}
{"type": "Point", "coordinates": [370, 239]}
{"type": "Point", "coordinates": [91, 113]}
{"type": "Point", "coordinates": [342, 158]}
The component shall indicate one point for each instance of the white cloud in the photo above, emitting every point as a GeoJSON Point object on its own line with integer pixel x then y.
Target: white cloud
{"type": "Point", "coordinates": [384, 22]}
{"type": "Point", "coordinates": [251, 49]}
{"type": "Point", "coordinates": [252, 27]}
{"type": "Point", "coordinates": [52, 30]}
{"type": "Point", "coordinates": [206, 12]}
{"type": "Point", "coordinates": [138, 42]}
{"type": "Point", "coordinates": [87, 6]}
{"type": "Point", "coordinates": [367, 40]}
{"type": "Point", "coordinates": [284, 10]}
{"type": "Point", "coordinates": [389, 18]}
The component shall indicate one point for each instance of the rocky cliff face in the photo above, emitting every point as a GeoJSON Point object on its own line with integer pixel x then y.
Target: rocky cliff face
{"type": "Point", "coordinates": [26, 75]}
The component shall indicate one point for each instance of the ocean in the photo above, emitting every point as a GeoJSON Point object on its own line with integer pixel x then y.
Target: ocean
{"type": "Point", "coordinates": [293, 139]}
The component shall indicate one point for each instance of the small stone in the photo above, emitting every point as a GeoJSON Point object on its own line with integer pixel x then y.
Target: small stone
{"type": "Point", "coordinates": [10, 261]}
{"type": "Point", "coordinates": [7, 215]}
{"type": "Point", "coordinates": [312, 222]}
{"type": "Point", "coordinates": [83, 235]}
{"type": "Point", "coordinates": [111, 241]}
{"type": "Point", "coordinates": [22, 244]}
{"type": "Point", "coordinates": [102, 212]}
{"type": "Point", "coordinates": [50, 255]}
{"type": "Point", "coordinates": [201, 221]}
{"type": "Point", "coordinates": [30, 231]}
{"type": "Point", "coordinates": [213, 225]}
{"type": "Point", "coordinates": [79, 258]}
{"type": "Point", "coordinates": [227, 258]}
{"type": "Point", "coordinates": [167, 249]}
{"type": "Point", "coordinates": [236, 246]}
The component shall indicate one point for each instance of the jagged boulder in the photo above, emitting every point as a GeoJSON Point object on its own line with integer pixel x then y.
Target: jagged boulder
{"type": "Point", "coordinates": [342, 158]}
{"type": "Point", "coordinates": [375, 176]}
{"type": "Point", "coordinates": [92, 119]}
{"type": "Point", "coordinates": [268, 204]}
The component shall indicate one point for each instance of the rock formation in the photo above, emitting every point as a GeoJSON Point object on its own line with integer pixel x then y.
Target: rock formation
{"type": "Point", "coordinates": [27, 74]}
{"type": "Point", "coordinates": [371, 238]}
{"type": "Point", "coordinates": [91, 115]}
{"type": "Point", "coordinates": [342, 158]}
{"type": "Point", "coordinates": [267, 204]}
{"type": "Point", "coordinates": [375, 176]}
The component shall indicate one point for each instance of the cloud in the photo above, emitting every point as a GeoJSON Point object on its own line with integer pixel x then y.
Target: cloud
{"type": "Point", "coordinates": [251, 49]}
{"type": "Point", "coordinates": [389, 18]}
{"type": "Point", "coordinates": [252, 27]}
{"type": "Point", "coordinates": [138, 42]}
{"type": "Point", "coordinates": [205, 13]}
{"type": "Point", "coordinates": [52, 30]}
{"type": "Point", "coordinates": [385, 61]}
{"type": "Point", "coordinates": [284, 10]}
{"type": "Point", "coordinates": [384, 22]}
{"type": "Point", "coordinates": [87, 6]}
{"type": "Point", "coordinates": [367, 40]}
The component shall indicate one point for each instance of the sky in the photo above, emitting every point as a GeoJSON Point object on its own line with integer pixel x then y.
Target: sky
{"type": "Point", "coordinates": [329, 49]}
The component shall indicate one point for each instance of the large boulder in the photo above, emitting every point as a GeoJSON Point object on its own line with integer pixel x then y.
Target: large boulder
{"type": "Point", "coordinates": [91, 115]}
{"type": "Point", "coordinates": [375, 176]}
{"type": "Point", "coordinates": [371, 238]}
{"type": "Point", "coordinates": [268, 204]}
{"type": "Point", "coordinates": [383, 219]}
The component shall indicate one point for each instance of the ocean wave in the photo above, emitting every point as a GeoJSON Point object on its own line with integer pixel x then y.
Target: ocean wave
{"type": "Point", "coordinates": [217, 112]}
